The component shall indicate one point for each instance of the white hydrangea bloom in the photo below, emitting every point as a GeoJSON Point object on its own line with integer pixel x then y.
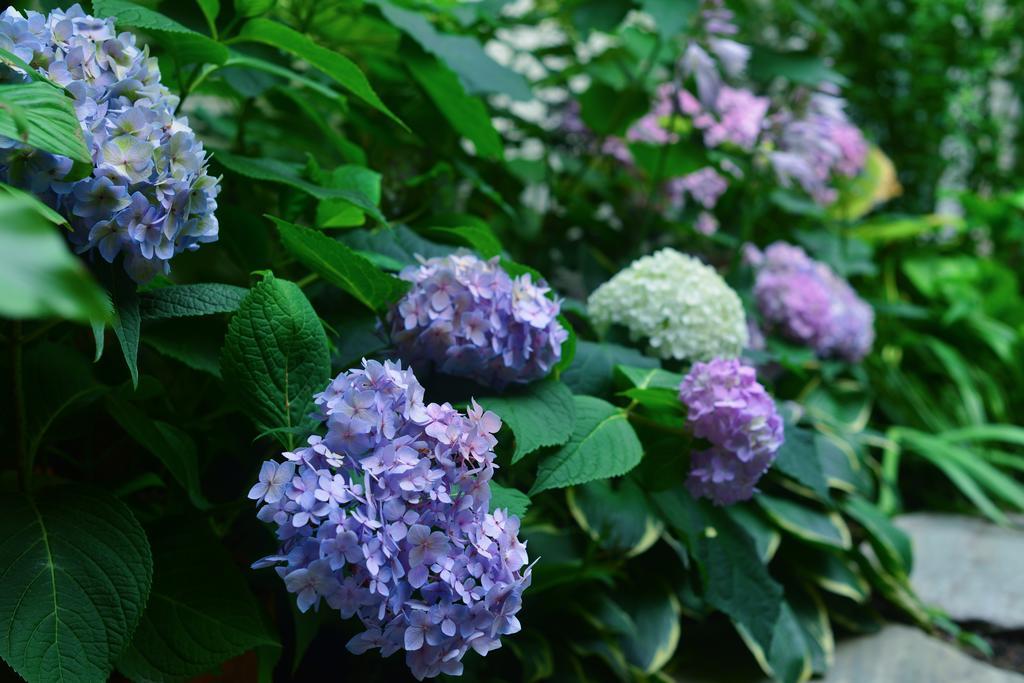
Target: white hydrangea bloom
{"type": "Point", "coordinates": [681, 306]}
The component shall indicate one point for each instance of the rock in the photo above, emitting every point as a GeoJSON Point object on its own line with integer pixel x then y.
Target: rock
{"type": "Point", "coordinates": [972, 569]}
{"type": "Point", "coordinates": [903, 654]}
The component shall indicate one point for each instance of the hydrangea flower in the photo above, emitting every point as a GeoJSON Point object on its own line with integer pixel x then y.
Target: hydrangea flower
{"type": "Point", "coordinates": [467, 317]}
{"type": "Point", "coordinates": [727, 407]}
{"type": "Point", "coordinates": [817, 146]}
{"type": "Point", "coordinates": [681, 306]}
{"type": "Point", "coordinates": [149, 196]}
{"type": "Point", "coordinates": [808, 303]}
{"type": "Point", "coordinates": [385, 518]}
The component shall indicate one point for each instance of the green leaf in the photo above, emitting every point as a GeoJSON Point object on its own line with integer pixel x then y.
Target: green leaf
{"type": "Point", "coordinates": [252, 8]}
{"type": "Point", "coordinates": [184, 301]}
{"type": "Point", "coordinates": [505, 498]}
{"type": "Point", "coordinates": [39, 277]}
{"type": "Point", "coordinates": [797, 458]}
{"type": "Point", "coordinates": [200, 611]}
{"type": "Point", "coordinates": [608, 111]}
{"type": "Point", "coordinates": [798, 67]}
{"type": "Point", "coordinates": [835, 574]}
{"type": "Point", "coordinates": [196, 342]}
{"type": "Point", "coordinates": [617, 517]}
{"type": "Point", "coordinates": [341, 266]}
{"type": "Point", "coordinates": [400, 243]}
{"type": "Point", "coordinates": [210, 10]}
{"type": "Point", "coordinates": [812, 615]}
{"type": "Point", "coordinates": [670, 16]}
{"type": "Point", "coordinates": [592, 370]}
{"type": "Point", "coordinates": [655, 610]}
{"type": "Point", "coordinates": [463, 55]}
{"type": "Point", "coordinates": [186, 45]}
{"type": "Point", "coordinates": [467, 115]}
{"type": "Point", "coordinates": [17, 62]}
{"type": "Point", "coordinates": [540, 414]}
{"type": "Point", "coordinates": [891, 544]}
{"type": "Point", "coordinates": [479, 237]}
{"type": "Point", "coordinates": [42, 116]}
{"type": "Point", "coordinates": [341, 213]}
{"type": "Point", "coordinates": [765, 536]}
{"type": "Point", "coordinates": [127, 322]}
{"type": "Point", "coordinates": [275, 356]}
{"type": "Point", "coordinates": [286, 173]}
{"type": "Point", "coordinates": [788, 659]}
{"type": "Point", "coordinates": [650, 378]}
{"type": "Point", "coordinates": [14, 195]}
{"type": "Point", "coordinates": [734, 579]}
{"type": "Point", "coordinates": [602, 445]}
{"type": "Point", "coordinates": [170, 445]}
{"type": "Point", "coordinates": [337, 66]}
{"type": "Point", "coordinates": [77, 572]}
{"type": "Point", "coordinates": [804, 522]}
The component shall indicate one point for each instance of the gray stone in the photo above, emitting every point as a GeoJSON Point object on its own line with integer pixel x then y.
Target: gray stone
{"type": "Point", "coordinates": [902, 654]}
{"type": "Point", "coordinates": [972, 569]}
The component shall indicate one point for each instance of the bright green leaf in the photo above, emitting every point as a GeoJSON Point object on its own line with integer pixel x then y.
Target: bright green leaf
{"type": "Point", "coordinates": [341, 266]}
{"type": "Point", "coordinates": [183, 301]}
{"type": "Point", "coordinates": [540, 414]}
{"type": "Point", "coordinates": [43, 117]}
{"type": "Point", "coordinates": [505, 498]}
{"type": "Point", "coordinates": [602, 445]}
{"type": "Point", "coordinates": [187, 46]}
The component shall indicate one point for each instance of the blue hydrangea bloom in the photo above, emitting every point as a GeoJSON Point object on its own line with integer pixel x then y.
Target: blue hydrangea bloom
{"type": "Point", "coordinates": [808, 303]}
{"type": "Point", "coordinates": [386, 518]}
{"type": "Point", "coordinates": [149, 196]}
{"type": "Point", "coordinates": [467, 317]}
{"type": "Point", "coordinates": [727, 407]}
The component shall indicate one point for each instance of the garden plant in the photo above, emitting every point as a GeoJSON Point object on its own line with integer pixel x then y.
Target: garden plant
{"type": "Point", "coordinates": [594, 340]}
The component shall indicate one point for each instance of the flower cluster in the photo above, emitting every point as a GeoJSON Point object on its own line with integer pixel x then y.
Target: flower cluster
{"type": "Point", "coordinates": [385, 518]}
{"type": "Point", "coordinates": [681, 306]}
{"type": "Point", "coordinates": [148, 196]}
{"type": "Point", "coordinates": [729, 408]}
{"type": "Point", "coordinates": [467, 317]}
{"type": "Point", "coordinates": [808, 303]}
{"type": "Point", "coordinates": [814, 148]}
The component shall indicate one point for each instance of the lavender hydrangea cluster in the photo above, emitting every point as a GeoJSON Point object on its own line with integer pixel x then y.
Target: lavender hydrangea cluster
{"type": "Point", "coordinates": [149, 196]}
{"type": "Point", "coordinates": [467, 317]}
{"type": "Point", "coordinates": [729, 408]}
{"type": "Point", "coordinates": [808, 303]}
{"type": "Point", "coordinates": [386, 518]}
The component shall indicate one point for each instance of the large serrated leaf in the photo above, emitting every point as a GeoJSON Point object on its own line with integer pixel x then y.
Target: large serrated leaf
{"type": "Point", "coordinates": [77, 570]}
{"type": "Point", "coordinates": [42, 116]}
{"type": "Point", "coordinates": [184, 301]}
{"type": "Point", "coordinates": [602, 445]}
{"type": "Point", "coordinates": [341, 266]}
{"type": "Point", "coordinates": [275, 357]}
{"type": "Point", "coordinates": [339, 67]}
{"type": "Point", "coordinates": [542, 414]}
{"type": "Point", "coordinates": [200, 611]}
{"type": "Point", "coordinates": [506, 498]}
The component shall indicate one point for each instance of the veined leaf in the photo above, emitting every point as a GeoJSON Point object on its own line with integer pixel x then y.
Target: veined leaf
{"type": "Point", "coordinates": [540, 414]}
{"type": "Point", "coordinates": [479, 237]}
{"type": "Point", "coordinates": [77, 572]}
{"type": "Point", "coordinates": [602, 445]}
{"type": "Point", "coordinates": [183, 301]}
{"type": "Point", "coordinates": [341, 266]}
{"type": "Point", "coordinates": [187, 46]}
{"type": "Point", "coordinates": [44, 117]}
{"type": "Point", "coordinates": [275, 357]}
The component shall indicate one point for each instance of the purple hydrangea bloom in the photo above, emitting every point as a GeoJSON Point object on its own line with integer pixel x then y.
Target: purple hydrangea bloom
{"type": "Point", "coordinates": [808, 303]}
{"type": "Point", "coordinates": [467, 317]}
{"type": "Point", "coordinates": [728, 407]}
{"type": "Point", "coordinates": [386, 518]}
{"type": "Point", "coordinates": [148, 196]}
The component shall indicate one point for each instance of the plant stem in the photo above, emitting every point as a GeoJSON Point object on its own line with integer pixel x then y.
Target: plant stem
{"type": "Point", "coordinates": [20, 420]}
